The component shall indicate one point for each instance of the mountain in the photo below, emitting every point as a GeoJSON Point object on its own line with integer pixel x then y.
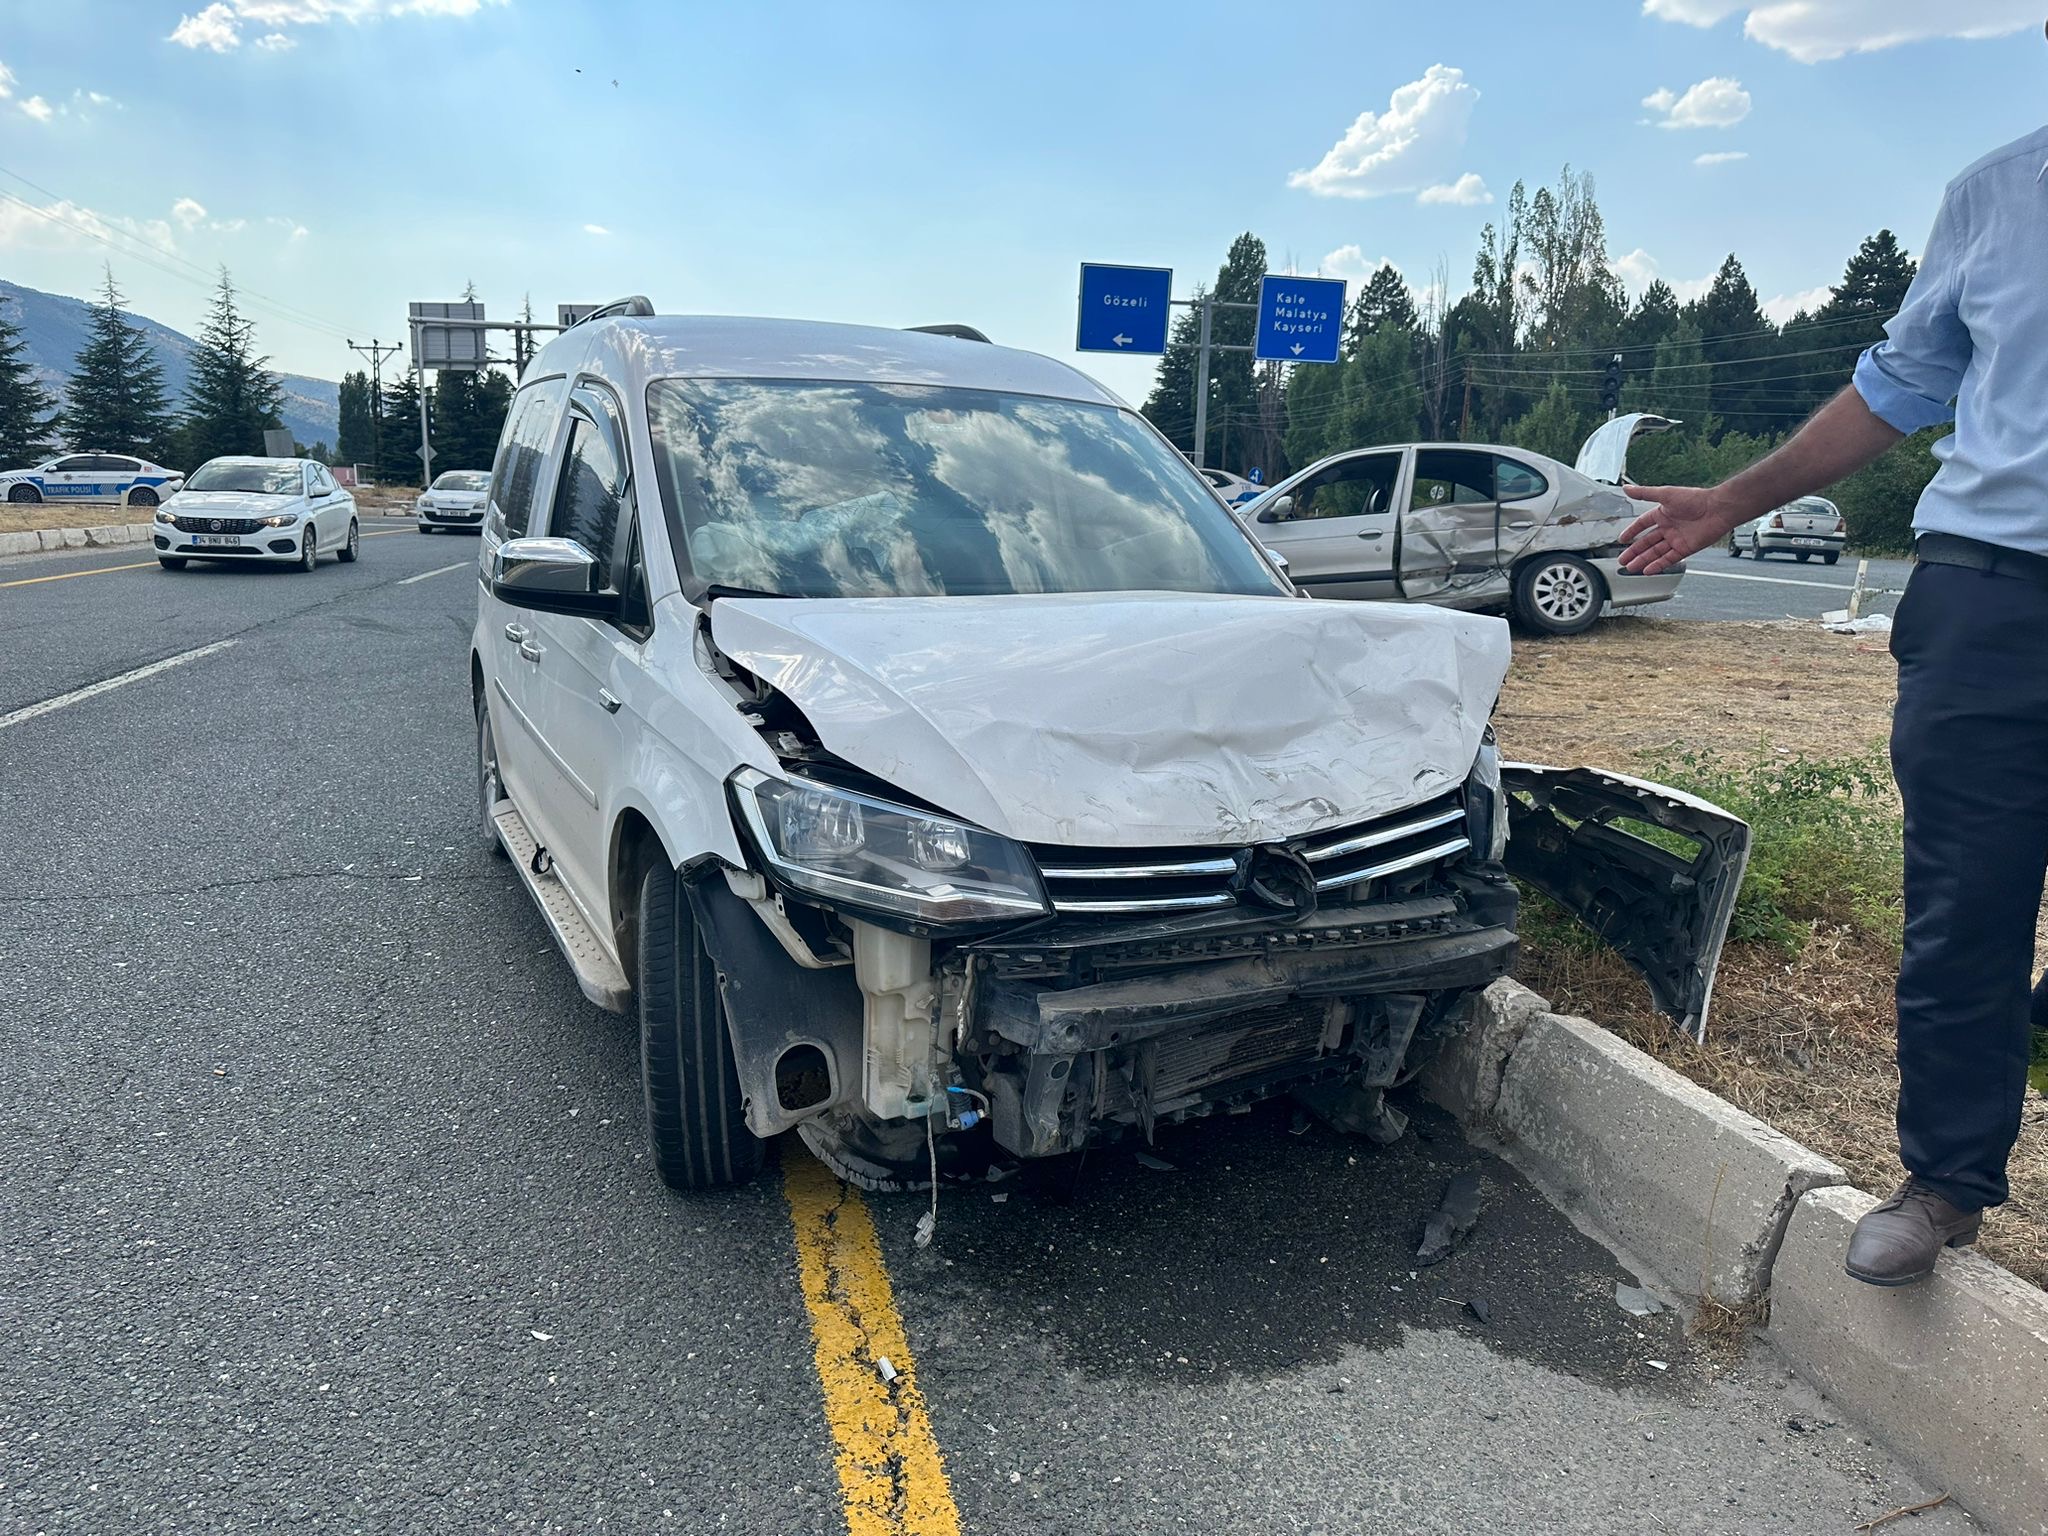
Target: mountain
{"type": "Point", "coordinates": [55, 327]}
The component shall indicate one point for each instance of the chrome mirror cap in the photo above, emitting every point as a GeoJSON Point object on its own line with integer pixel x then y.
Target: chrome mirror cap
{"type": "Point", "coordinates": [546, 565]}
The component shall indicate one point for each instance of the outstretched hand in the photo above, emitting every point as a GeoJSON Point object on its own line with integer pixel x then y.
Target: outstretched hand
{"type": "Point", "coordinates": [1684, 521]}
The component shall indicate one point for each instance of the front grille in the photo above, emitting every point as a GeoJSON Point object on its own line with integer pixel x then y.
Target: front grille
{"type": "Point", "coordinates": [1122, 883]}
{"type": "Point", "coordinates": [216, 524]}
{"type": "Point", "coordinates": [1252, 1043]}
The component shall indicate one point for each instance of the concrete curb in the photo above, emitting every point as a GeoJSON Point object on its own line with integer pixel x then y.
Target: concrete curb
{"type": "Point", "coordinates": [1677, 1178]}
{"type": "Point", "coordinates": [1952, 1372]}
{"type": "Point", "coordinates": [37, 540]}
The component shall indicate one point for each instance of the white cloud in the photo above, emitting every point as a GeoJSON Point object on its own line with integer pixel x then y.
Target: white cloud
{"type": "Point", "coordinates": [595, 229]}
{"type": "Point", "coordinates": [1721, 157]}
{"type": "Point", "coordinates": [1716, 102]}
{"type": "Point", "coordinates": [6, 82]}
{"type": "Point", "coordinates": [39, 109]}
{"type": "Point", "coordinates": [293, 229]}
{"type": "Point", "coordinates": [68, 226]}
{"type": "Point", "coordinates": [1638, 269]}
{"type": "Point", "coordinates": [1350, 263]}
{"type": "Point", "coordinates": [1786, 305]}
{"type": "Point", "coordinates": [1412, 145]}
{"type": "Point", "coordinates": [1814, 30]}
{"type": "Point", "coordinates": [1467, 191]}
{"type": "Point", "coordinates": [189, 212]}
{"type": "Point", "coordinates": [212, 28]}
{"type": "Point", "coordinates": [219, 26]}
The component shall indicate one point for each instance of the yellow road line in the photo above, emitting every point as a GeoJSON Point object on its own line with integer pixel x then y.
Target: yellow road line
{"type": "Point", "coordinates": [890, 1471]}
{"type": "Point", "coordinates": [102, 570]}
{"type": "Point", "coordinates": [98, 570]}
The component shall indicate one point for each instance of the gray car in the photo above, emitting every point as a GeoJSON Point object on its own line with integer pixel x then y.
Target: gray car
{"type": "Point", "coordinates": [1810, 526]}
{"type": "Point", "coordinates": [1467, 525]}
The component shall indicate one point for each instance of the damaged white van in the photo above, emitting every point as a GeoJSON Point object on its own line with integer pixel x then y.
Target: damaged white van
{"type": "Point", "coordinates": [899, 727]}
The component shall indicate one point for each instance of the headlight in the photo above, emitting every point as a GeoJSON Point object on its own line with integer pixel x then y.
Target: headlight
{"type": "Point", "coordinates": [282, 520]}
{"type": "Point", "coordinates": [1486, 808]}
{"type": "Point", "coordinates": [166, 515]}
{"type": "Point", "coordinates": [424, 504]}
{"type": "Point", "coordinates": [858, 852]}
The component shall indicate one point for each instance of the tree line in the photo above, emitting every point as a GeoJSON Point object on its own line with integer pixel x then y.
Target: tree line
{"type": "Point", "coordinates": [116, 401]}
{"type": "Point", "coordinates": [1525, 357]}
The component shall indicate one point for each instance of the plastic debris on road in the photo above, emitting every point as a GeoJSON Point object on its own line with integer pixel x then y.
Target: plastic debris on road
{"type": "Point", "coordinates": [1636, 1301]}
{"type": "Point", "coordinates": [884, 1369]}
{"type": "Point", "coordinates": [1837, 622]}
{"type": "Point", "coordinates": [1482, 1309]}
{"type": "Point", "coordinates": [1456, 1214]}
{"type": "Point", "coordinates": [1156, 1164]}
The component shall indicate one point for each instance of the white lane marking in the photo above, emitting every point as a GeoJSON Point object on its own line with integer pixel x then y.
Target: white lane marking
{"type": "Point", "coordinates": [1778, 581]}
{"type": "Point", "coordinates": [460, 565]}
{"type": "Point", "coordinates": [106, 685]}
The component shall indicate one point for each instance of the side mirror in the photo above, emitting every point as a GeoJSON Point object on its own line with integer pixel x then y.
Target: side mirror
{"type": "Point", "coordinates": [552, 576]}
{"type": "Point", "coordinates": [1281, 509]}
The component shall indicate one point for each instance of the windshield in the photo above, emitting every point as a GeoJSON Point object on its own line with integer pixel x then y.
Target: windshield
{"type": "Point", "coordinates": [464, 480]}
{"type": "Point", "coordinates": [266, 479]}
{"type": "Point", "coordinates": [879, 490]}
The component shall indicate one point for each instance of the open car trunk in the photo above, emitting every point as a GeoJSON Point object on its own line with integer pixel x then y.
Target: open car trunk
{"type": "Point", "coordinates": [1653, 871]}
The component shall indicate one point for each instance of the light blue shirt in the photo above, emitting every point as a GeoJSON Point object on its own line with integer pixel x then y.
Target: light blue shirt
{"type": "Point", "coordinates": [1971, 345]}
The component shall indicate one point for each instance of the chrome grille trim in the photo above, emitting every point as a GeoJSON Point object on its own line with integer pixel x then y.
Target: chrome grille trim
{"type": "Point", "coordinates": [1195, 903]}
{"type": "Point", "coordinates": [1414, 860]}
{"type": "Point", "coordinates": [1168, 871]}
{"type": "Point", "coordinates": [1379, 837]}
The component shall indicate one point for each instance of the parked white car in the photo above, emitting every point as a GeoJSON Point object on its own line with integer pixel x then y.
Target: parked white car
{"type": "Point", "coordinates": [92, 477]}
{"type": "Point", "coordinates": [455, 500]}
{"type": "Point", "coordinates": [257, 510]}
{"type": "Point", "coordinates": [901, 730]}
{"type": "Point", "coordinates": [1810, 526]}
{"type": "Point", "coordinates": [1468, 525]}
{"type": "Point", "coordinates": [1234, 489]}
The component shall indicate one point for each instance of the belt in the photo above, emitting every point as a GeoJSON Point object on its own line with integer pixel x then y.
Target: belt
{"type": "Point", "coordinates": [1976, 555]}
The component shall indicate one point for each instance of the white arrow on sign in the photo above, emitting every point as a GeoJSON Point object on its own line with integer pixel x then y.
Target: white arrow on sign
{"type": "Point", "coordinates": [1121, 339]}
{"type": "Point", "coordinates": [1297, 349]}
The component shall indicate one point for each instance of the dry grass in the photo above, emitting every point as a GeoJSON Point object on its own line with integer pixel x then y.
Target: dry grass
{"type": "Point", "coordinates": [1805, 1043]}
{"type": "Point", "coordinates": [29, 517]}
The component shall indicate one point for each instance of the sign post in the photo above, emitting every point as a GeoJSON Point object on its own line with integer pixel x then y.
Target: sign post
{"type": "Point", "coordinates": [1123, 309]}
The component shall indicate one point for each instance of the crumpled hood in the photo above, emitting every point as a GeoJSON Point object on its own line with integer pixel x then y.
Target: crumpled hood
{"type": "Point", "coordinates": [231, 503]}
{"type": "Point", "coordinates": [1134, 720]}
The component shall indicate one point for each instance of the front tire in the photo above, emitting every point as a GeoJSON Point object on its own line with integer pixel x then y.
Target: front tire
{"type": "Point", "coordinates": [309, 549]}
{"type": "Point", "coordinates": [171, 562]}
{"type": "Point", "coordinates": [1559, 595]}
{"type": "Point", "coordinates": [354, 546]}
{"type": "Point", "coordinates": [696, 1120]}
{"type": "Point", "coordinates": [426, 527]}
{"type": "Point", "coordinates": [24, 494]}
{"type": "Point", "coordinates": [1734, 550]}
{"type": "Point", "coordinates": [142, 496]}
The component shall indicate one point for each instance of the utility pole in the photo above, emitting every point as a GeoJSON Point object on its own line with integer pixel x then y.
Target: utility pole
{"type": "Point", "coordinates": [1465, 417]}
{"type": "Point", "coordinates": [1208, 303]}
{"type": "Point", "coordinates": [376, 354]}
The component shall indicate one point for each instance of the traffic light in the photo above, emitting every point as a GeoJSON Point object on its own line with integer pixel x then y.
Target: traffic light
{"type": "Point", "coordinates": [1610, 386]}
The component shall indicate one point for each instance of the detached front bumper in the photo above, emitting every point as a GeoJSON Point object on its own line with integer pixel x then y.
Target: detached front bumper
{"type": "Point", "coordinates": [1626, 590]}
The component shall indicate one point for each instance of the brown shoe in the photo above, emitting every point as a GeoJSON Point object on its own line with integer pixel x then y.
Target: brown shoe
{"type": "Point", "coordinates": [1898, 1241]}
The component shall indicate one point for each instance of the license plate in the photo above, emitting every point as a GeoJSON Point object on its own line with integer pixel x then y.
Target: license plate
{"type": "Point", "coordinates": [1809, 541]}
{"type": "Point", "coordinates": [203, 539]}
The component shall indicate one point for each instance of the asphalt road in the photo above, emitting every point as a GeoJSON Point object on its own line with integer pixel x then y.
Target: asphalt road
{"type": "Point", "coordinates": [1718, 587]}
{"type": "Point", "coordinates": [325, 1205]}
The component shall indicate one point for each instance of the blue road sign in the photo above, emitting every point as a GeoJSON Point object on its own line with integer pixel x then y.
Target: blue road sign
{"type": "Point", "coordinates": [1301, 319]}
{"type": "Point", "coordinates": [1124, 309]}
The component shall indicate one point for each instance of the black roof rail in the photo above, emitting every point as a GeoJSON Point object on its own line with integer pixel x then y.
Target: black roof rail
{"type": "Point", "coordinates": [637, 307]}
{"type": "Point", "coordinates": [959, 332]}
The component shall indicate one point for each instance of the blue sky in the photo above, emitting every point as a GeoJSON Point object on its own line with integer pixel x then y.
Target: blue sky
{"type": "Point", "coordinates": [902, 163]}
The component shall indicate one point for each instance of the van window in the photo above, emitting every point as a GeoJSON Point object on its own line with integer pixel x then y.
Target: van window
{"type": "Point", "coordinates": [587, 498]}
{"type": "Point", "coordinates": [515, 476]}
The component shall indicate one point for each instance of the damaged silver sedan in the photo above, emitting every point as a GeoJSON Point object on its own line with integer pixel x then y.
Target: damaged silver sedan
{"type": "Point", "coordinates": [1468, 525]}
{"type": "Point", "coordinates": [897, 726]}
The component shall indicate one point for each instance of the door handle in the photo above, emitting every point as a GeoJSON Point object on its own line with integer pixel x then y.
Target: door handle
{"type": "Point", "coordinates": [529, 651]}
{"type": "Point", "coordinates": [1525, 523]}
{"type": "Point", "coordinates": [1372, 535]}
{"type": "Point", "coordinates": [609, 700]}
{"type": "Point", "coordinates": [516, 633]}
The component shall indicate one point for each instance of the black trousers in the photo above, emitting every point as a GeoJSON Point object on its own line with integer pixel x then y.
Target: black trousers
{"type": "Point", "coordinates": [1970, 752]}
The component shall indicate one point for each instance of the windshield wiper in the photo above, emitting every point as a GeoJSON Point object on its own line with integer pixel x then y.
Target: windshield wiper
{"type": "Point", "coordinates": [720, 589]}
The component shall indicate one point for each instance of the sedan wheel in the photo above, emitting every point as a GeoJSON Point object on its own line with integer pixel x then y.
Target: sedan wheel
{"type": "Point", "coordinates": [23, 493]}
{"type": "Point", "coordinates": [309, 549]}
{"type": "Point", "coordinates": [142, 496]}
{"type": "Point", "coordinates": [354, 546]}
{"type": "Point", "coordinates": [1558, 594]}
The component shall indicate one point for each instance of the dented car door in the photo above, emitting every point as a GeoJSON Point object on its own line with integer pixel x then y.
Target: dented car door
{"type": "Point", "coordinates": [1653, 871]}
{"type": "Point", "coordinates": [1449, 535]}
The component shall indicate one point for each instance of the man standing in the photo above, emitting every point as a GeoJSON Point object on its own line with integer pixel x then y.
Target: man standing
{"type": "Point", "coordinates": [1970, 736]}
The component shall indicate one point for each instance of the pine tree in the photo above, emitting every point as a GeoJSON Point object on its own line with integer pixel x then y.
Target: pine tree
{"type": "Point", "coordinates": [1739, 341]}
{"type": "Point", "coordinates": [401, 432]}
{"type": "Point", "coordinates": [231, 398]}
{"type": "Point", "coordinates": [27, 409]}
{"type": "Point", "coordinates": [116, 395]}
{"type": "Point", "coordinates": [357, 429]}
{"type": "Point", "coordinates": [1233, 398]}
{"type": "Point", "coordinates": [1384, 301]}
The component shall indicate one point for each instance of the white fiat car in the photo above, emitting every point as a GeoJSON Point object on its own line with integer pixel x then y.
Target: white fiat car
{"type": "Point", "coordinates": [897, 725]}
{"type": "Point", "coordinates": [278, 511]}
{"type": "Point", "coordinates": [455, 500]}
{"type": "Point", "coordinates": [92, 477]}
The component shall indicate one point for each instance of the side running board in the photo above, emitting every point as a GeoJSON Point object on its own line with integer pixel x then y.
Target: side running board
{"type": "Point", "coordinates": [597, 973]}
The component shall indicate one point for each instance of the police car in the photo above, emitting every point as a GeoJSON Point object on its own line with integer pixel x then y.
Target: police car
{"type": "Point", "coordinates": [92, 477]}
